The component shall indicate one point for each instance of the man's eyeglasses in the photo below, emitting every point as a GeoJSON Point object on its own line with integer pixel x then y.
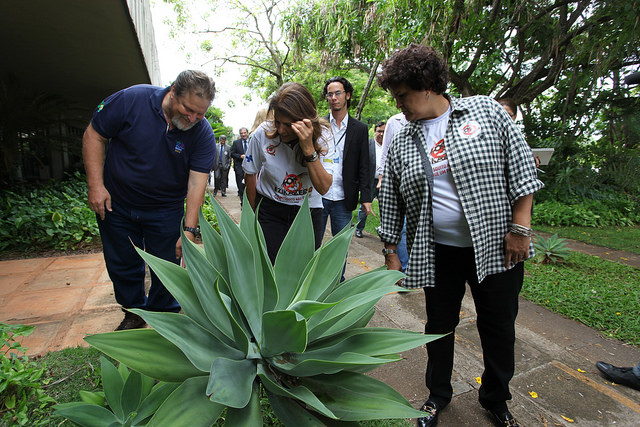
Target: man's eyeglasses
{"type": "Point", "coordinates": [332, 94]}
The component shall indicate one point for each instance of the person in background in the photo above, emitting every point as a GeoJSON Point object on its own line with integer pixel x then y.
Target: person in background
{"type": "Point", "coordinates": [624, 376]}
{"type": "Point", "coordinates": [159, 152]}
{"type": "Point", "coordinates": [511, 108]}
{"type": "Point", "coordinates": [375, 150]}
{"type": "Point", "coordinates": [394, 124]}
{"type": "Point", "coordinates": [221, 167]}
{"type": "Point", "coordinates": [238, 149]}
{"type": "Point", "coordinates": [285, 163]}
{"type": "Point", "coordinates": [351, 172]}
{"type": "Point", "coordinates": [464, 176]}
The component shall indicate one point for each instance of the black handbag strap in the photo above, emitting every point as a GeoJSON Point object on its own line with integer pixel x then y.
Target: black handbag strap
{"type": "Point", "coordinates": [428, 170]}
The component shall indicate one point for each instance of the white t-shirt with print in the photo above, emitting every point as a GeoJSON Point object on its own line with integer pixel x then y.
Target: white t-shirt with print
{"type": "Point", "coordinates": [450, 224]}
{"type": "Point", "coordinates": [281, 177]}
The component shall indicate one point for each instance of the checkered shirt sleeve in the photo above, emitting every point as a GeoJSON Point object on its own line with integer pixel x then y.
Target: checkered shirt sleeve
{"type": "Point", "coordinates": [491, 168]}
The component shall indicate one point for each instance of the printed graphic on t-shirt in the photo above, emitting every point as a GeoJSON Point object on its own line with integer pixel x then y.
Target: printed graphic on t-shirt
{"type": "Point", "coordinates": [179, 147]}
{"type": "Point", "coordinates": [438, 157]}
{"type": "Point", "coordinates": [292, 186]}
{"type": "Point", "coordinates": [271, 149]}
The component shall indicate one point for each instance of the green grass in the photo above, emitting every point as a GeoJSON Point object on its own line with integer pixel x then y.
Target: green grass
{"type": "Point", "coordinates": [614, 237]}
{"type": "Point", "coordinates": [372, 221]}
{"type": "Point", "coordinates": [69, 371]}
{"type": "Point", "coordinates": [601, 294]}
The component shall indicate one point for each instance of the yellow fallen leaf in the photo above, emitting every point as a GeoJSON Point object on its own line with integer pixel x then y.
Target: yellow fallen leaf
{"type": "Point", "coordinates": [626, 259]}
{"type": "Point", "coordinates": [567, 418]}
{"type": "Point", "coordinates": [479, 380]}
{"type": "Point", "coordinates": [618, 313]}
{"type": "Point", "coordinates": [533, 394]}
{"type": "Point", "coordinates": [580, 370]}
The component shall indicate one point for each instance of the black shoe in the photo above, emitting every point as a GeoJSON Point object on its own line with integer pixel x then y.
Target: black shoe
{"type": "Point", "coordinates": [215, 192]}
{"type": "Point", "coordinates": [432, 411]}
{"type": "Point", "coordinates": [131, 321]}
{"type": "Point", "coordinates": [503, 418]}
{"type": "Point", "coordinates": [623, 376]}
{"type": "Point", "coordinates": [358, 233]}
{"type": "Point", "coordinates": [224, 194]}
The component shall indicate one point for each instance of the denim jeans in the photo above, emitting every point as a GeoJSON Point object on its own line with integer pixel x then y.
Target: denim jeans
{"type": "Point", "coordinates": [340, 215]}
{"type": "Point", "coordinates": [154, 230]}
{"type": "Point", "coordinates": [403, 253]}
{"type": "Point", "coordinates": [340, 218]}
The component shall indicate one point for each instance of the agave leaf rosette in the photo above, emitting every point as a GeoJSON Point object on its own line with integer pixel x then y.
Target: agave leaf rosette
{"type": "Point", "coordinates": [289, 329]}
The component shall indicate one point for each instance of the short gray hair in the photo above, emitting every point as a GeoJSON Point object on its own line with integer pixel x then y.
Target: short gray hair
{"type": "Point", "coordinates": [197, 82]}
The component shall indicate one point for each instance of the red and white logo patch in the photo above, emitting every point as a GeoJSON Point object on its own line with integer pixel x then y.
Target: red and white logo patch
{"type": "Point", "coordinates": [471, 129]}
{"type": "Point", "coordinates": [271, 149]}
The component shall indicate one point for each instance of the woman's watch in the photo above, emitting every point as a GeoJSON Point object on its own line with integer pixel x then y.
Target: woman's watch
{"type": "Point", "coordinates": [311, 158]}
{"type": "Point", "coordinates": [386, 251]}
{"type": "Point", "coordinates": [194, 230]}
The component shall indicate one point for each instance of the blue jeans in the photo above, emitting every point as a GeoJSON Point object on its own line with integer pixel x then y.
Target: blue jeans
{"type": "Point", "coordinates": [403, 254]}
{"type": "Point", "coordinates": [154, 230]}
{"type": "Point", "coordinates": [340, 215]}
{"type": "Point", "coordinates": [362, 215]}
{"type": "Point", "coordinates": [340, 218]}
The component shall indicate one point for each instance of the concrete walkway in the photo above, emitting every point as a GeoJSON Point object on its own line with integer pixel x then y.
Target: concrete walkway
{"type": "Point", "coordinates": [556, 382]}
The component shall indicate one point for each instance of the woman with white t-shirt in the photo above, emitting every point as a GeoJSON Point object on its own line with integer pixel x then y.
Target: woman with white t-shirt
{"type": "Point", "coordinates": [286, 162]}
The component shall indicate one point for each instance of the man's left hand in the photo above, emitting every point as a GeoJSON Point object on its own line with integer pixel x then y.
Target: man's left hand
{"type": "Point", "coordinates": [367, 208]}
{"type": "Point", "coordinates": [516, 248]}
{"type": "Point", "coordinates": [190, 236]}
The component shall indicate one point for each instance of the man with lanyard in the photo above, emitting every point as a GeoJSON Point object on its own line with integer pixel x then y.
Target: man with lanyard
{"type": "Point", "coordinates": [238, 149]}
{"type": "Point", "coordinates": [351, 172]}
{"type": "Point", "coordinates": [159, 151]}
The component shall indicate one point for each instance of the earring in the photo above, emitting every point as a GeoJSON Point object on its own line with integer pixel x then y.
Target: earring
{"type": "Point", "coordinates": [428, 94]}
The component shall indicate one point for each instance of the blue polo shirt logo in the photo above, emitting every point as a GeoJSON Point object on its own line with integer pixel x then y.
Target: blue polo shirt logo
{"type": "Point", "coordinates": [100, 107]}
{"type": "Point", "coordinates": [179, 147]}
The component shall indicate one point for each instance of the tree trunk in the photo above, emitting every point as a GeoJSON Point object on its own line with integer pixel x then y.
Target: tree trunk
{"type": "Point", "coordinates": [367, 88]}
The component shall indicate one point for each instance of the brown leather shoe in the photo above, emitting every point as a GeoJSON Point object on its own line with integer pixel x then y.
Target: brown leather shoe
{"type": "Point", "coordinates": [131, 321]}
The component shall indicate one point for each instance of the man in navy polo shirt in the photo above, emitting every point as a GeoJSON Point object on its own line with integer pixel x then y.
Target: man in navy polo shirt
{"type": "Point", "coordinates": [159, 151]}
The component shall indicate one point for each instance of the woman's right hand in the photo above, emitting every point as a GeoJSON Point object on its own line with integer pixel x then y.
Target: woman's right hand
{"type": "Point", "coordinates": [304, 131]}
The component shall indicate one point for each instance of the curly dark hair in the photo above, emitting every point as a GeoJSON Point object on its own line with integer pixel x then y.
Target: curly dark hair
{"type": "Point", "coordinates": [348, 87]}
{"type": "Point", "coordinates": [418, 66]}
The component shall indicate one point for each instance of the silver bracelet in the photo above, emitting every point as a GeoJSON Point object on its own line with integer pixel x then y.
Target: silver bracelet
{"type": "Point", "coordinates": [520, 230]}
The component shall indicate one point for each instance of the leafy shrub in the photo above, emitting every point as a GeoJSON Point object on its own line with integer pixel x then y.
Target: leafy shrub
{"type": "Point", "coordinates": [609, 209]}
{"type": "Point", "coordinates": [129, 399]}
{"type": "Point", "coordinates": [52, 217]}
{"type": "Point", "coordinates": [22, 400]}
{"type": "Point", "coordinates": [552, 250]}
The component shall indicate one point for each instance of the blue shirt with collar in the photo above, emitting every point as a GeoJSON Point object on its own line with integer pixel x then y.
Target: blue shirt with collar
{"type": "Point", "coordinates": [147, 165]}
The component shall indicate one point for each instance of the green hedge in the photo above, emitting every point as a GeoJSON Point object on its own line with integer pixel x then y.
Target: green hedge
{"type": "Point", "coordinates": [47, 217]}
{"type": "Point", "coordinates": [612, 210]}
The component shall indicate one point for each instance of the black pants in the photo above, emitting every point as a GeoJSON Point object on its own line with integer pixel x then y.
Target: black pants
{"type": "Point", "coordinates": [496, 301]}
{"type": "Point", "coordinates": [221, 176]}
{"type": "Point", "coordinates": [240, 180]}
{"type": "Point", "coordinates": [276, 218]}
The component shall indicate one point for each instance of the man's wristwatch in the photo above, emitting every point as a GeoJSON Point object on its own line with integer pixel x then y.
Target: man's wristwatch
{"type": "Point", "coordinates": [194, 230]}
{"type": "Point", "coordinates": [311, 158]}
{"type": "Point", "coordinates": [386, 251]}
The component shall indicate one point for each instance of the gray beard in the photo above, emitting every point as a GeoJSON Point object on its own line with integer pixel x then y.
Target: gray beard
{"type": "Point", "coordinates": [180, 125]}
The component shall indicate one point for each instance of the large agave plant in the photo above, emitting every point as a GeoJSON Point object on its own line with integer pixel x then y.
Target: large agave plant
{"type": "Point", "coordinates": [290, 329]}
